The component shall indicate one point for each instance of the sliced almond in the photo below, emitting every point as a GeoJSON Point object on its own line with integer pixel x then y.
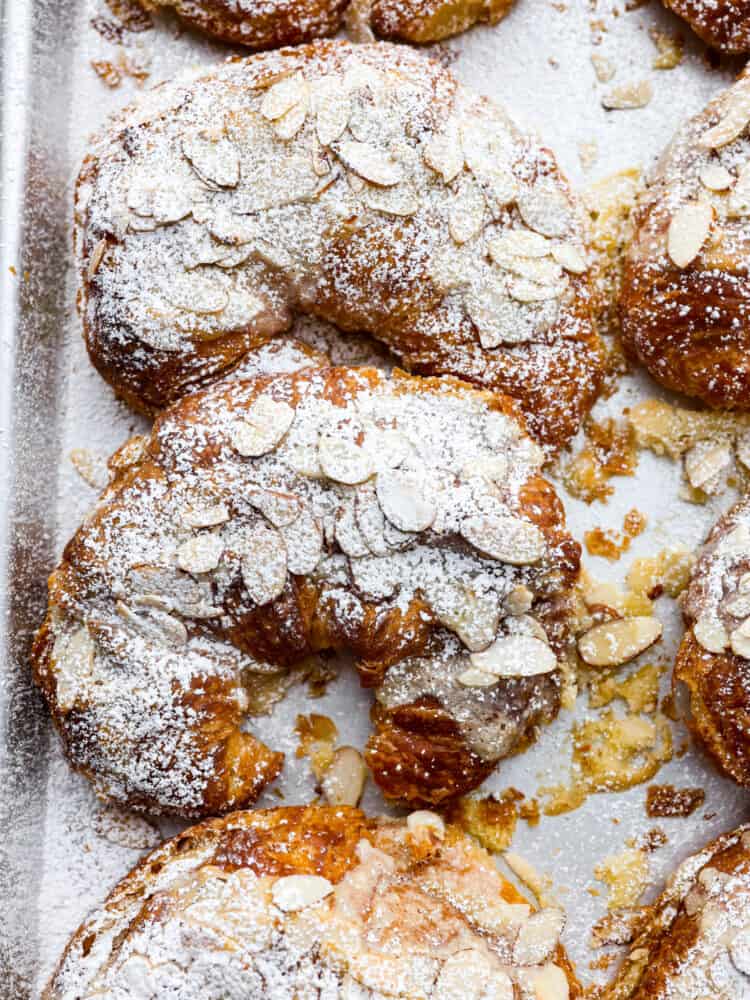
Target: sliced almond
{"type": "Point", "coordinates": [370, 163]}
{"type": "Point", "coordinates": [523, 290]}
{"type": "Point", "coordinates": [492, 467]}
{"type": "Point", "coordinates": [688, 231]}
{"type": "Point", "coordinates": [570, 257]}
{"type": "Point", "coordinates": [715, 177]}
{"type": "Point", "coordinates": [516, 656]}
{"type": "Point", "coordinates": [265, 423]}
{"type": "Point", "coordinates": [304, 543]}
{"type": "Point", "coordinates": [505, 538]}
{"type": "Point", "coordinates": [205, 517]}
{"type": "Point", "coordinates": [401, 494]}
{"type": "Point", "coordinates": [470, 975]}
{"type": "Point", "coordinates": [296, 892]}
{"type": "Point", "coordinates": [547, 983]}
{"type": "Point", "coordinates": [342, 460]}
{"type": "Point", "coordinates": [215, 159]}
{"type": "Point", "coordinates": [711, 634]}
{"type": "Point", "coordinates": [344, 779]}
{"type": "Point", "coordinates": [466, 215]}
{"type": "Point", "coordinates": [424, 820]}
{"type": "Point", "coordinates": [203, 293]}
{"type": "Point", "coordinates": [734, 120]}
{"type": "Point", "coordinates": [629, 96]}
{"type": "Point", "coordinates": [73, 664]}
{"type": "Point", "coordinates": [289, 124]}
{"type": "Point", "coordinates": [519, 243]}
{"type": "Point", "coordinates": [279, 508]}
{"type": "Point", "coordinates": [739, 606]}
{"type": "Point", "coordinates": [96, 258]}
{"type": "Point", "coordinates": [519, 600]}
{"type": "Point", "coordinates": [471, 677]}
{"type": "Point", "coordinates": [471, 614]}
{"type": "Point", "coordinates": [538, 936]}
{"type": "Point", "coordinates": [347, 534]}
{"type": "Point", "coordinates": [543, 271]}
{"type": "Point", "coordinates": [371, 521]}
{"type": "Point", "coordinates": [332, 111]}
{"type": "Point", "coordinates": [545, 208]}
{"type": "Point", "coordinates": [377, 577]}
{"type": "Point", "coordinates": [443, 153]}
{"type": "Point", "coordinates": [740, 640]}
{"type": "Point", "coordinates": [279, 99]}
{"type": "Point", "coordinates": [399, 200]}
{"type": "Point", "coordinates": [617, 642]}
{"type": "Point", "coordinates": [200, 554]}
{"type": "Point", "coordinates": [497, 317]}
{"type": "Point", "coordinates": [264, 564]}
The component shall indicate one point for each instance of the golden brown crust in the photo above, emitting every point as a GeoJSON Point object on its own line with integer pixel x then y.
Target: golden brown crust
{"type": "Point", "coordinates": [214, 557]}
{"type": "Point", "coordinates": [686, 318]}
{"type": "Point", "coordinates": [692, 942]}
{"type": "Point", "coordinates": [722, 24]}
{"type": "Point", "coordinates": [434, 253]}
{"type": "Point", "coordinates": [260, 24]}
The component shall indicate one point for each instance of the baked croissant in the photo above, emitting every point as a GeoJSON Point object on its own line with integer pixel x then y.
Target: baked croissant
{"type": "Point", "coordinates": [685, 303]}
{"type": "Point", "coordinates": [260, 25]}
{"type": "Point", "coordinates": [301, 902]}
{"type": "Point", "coordinates": [722, 24]}
{"type": "Point", "coordinates": [265, 520]}
{"type": "Point", "coordinates": [694, 941]}
{"type": "Point", "coordinates": [360, 184]}
{"type": "Point", "coordinates": [714, 657]}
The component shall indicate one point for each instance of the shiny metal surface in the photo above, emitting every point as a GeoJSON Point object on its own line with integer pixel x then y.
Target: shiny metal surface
{"type": "Point", "coordinates": [56, 858]}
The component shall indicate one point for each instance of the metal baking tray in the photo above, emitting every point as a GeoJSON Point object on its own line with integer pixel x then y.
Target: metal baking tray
{"type": "Point", "coordinates": [59, 852]}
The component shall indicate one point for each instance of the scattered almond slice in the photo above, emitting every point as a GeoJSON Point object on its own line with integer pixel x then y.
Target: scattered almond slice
{"type": "Point", "coordinates": [471, 677]}
{"type": "Point", "coordinates": [200, 554]}
{"type": "Point", "coordinates": [279, 99]}
{"type": "Point", "coordinates": [734, 121]}
{"type": "Point", "coordinates": [344, 779]}
{"type": "Point", "coordinates": [370, 163]}
{"type": "Point", "coordinates": [715, 177]}
{"type": "Point", "coordinates": [466, 213]}
{"type": "Point", "coordinates": [264, 566]}
{"type": "Point", "coordinates": [266, 422]}
{"type": "Point", "coordinates": [616, 642]}
{"type": "Point", "coordinates": [515, 656]}
{"type": "Point", "coordinates": [508, 539]}
{"type": "Point", "coordinates": [344, 461]}
{"type": "Point", "coordinates": [296, 892]}
{"type": "Point", "coordinates": [214, 158]}
{"type": "Point", "coordinates": [443, 153]}
{"type": "Point", "coordinates": [688, 231]}
{"type": "Point", "coordinates": [403, 501]}
{"type": "Point", "coordinates": [629, 96]}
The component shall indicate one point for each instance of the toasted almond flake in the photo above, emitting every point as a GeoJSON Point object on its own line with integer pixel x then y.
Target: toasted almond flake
{"type": "Point", "coordinates": [216, 160]}
{"type": "Point", "coordinates": [424, 820]}
{"type": "Point", "coordinates": [603, 67]}
{"type": "Point", "coordinates": [266, 422]}
{"type": "Point", "coordinates": [443, 153]}
{"type": "Point", "coordinates": [629, 96]}
{"type": "Point", "coordinates": [715, 177]}
{"type": "Point", "coordinates": [518, 243]}
{"type": "Point", "coordinates": [289, 124]}
{"type": "Point", "coordinates": [344, 779]}
{"type": "Point", "coordinates": [711, 635]}
{"type": "Point", "coordinates": [344, 461]}
{"type": "Point", "coordinates": [516, 656]}
{"type": "Point", "coordinates": [545, 209]}
{"type": "Point", "coordinates": [97, 256]}
{"type": "Point", "coordinates": [332, 112]}
{"type": "Point", "coordinates": [279, 99]}
{"type": "Point", "coordinates": [73, 664]}
{"type": "Point", "coordinates": [402, 498]}
{"type": "Point", "coordinates": [547, 983]}
{"type": "Point", "coordinates": [739, 951]}
{"type": "Point", "coordinates": [348, 536]}
{"type": "Point", "coordinates": [471, 677]}
{"type": "Point", "coordinates": [203, 293]}
{"type": "Point", "coordinates": [705, 465]}
{"type": "Point", "coordinates": [739, 606]}
{"type": "Point", "coordinates": [538, 936]}
{"type": "Point", "coordinates": [370, 162]}
{"type": "Point", "coordinates": [735, 118]}
{"type": "Point", "coordinates": [264, 564]}
{"type": "Point", "coordinates": [739, 640]}
{"type": "Point", "coordinates": [492, 467]}
{"type": "Point", "coordinates": [738, 204]}
{"type": "Point", "coordinates": [743, 584]}
{"type": "Point", "coordinates": [155, 623]}
{"type": "Point", "coordinates": [200, 554]}
{"type": "Point", "coordinates": [519, 600]}
{"type": "Point", "coordinates": [688, 231]}
{"type": "Point", "coordinates": [523, 290]}
{"type": "Point", "coordinates": [92, 468]}
{"type": "Point", "coordinates": [371, 521]}
{"type": "Point", "coordinates": [543, 271]}
{"type": "Point", "coordinates": [296, 892]}
{"type": "Point", "coordinates": [399, 200]}
{"type": "Point", "coordinates": [507, 539]}
{"type": "Point", "coordinates": [570, 257]}
{"type": "Point", "coordinates": [377, 577]}
{"type": "Point", "coordinates": [468, 975]}
{"type": "Point", "coordinates": [304, 543]}
{"type": "Point", "coordinates": [473, 615]}
{"type": "Point", "coordinates": [617, 642]}
{"type": "Point", "coordinates": [205, 517]}
{"type": "Point", "coordinates": [466, 214]}
{"type": "Point", "coordinates": [280, 509]}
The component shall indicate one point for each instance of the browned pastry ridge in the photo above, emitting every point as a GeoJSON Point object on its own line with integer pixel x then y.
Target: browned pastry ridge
{"type": "Point", "coordinates": [266, 520]}
{"type": "Point", "coordinates": [298, 902]}
{"type": "Point", "coordinates": [268, 24]}
{"type": "Point", "coordinates": [722, 24]}
{"type": "Point", "coordinates": [693, 943]}
{"type": "Point", "coordinates": [714, 657]}
{"type": "Point", "coordinates": [359, 184]}
{"type": "Point", "coordinates": [685, 303]}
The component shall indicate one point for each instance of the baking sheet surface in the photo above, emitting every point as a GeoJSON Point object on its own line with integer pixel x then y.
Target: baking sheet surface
{"type": "Point", "coordinates": [59, 851]}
